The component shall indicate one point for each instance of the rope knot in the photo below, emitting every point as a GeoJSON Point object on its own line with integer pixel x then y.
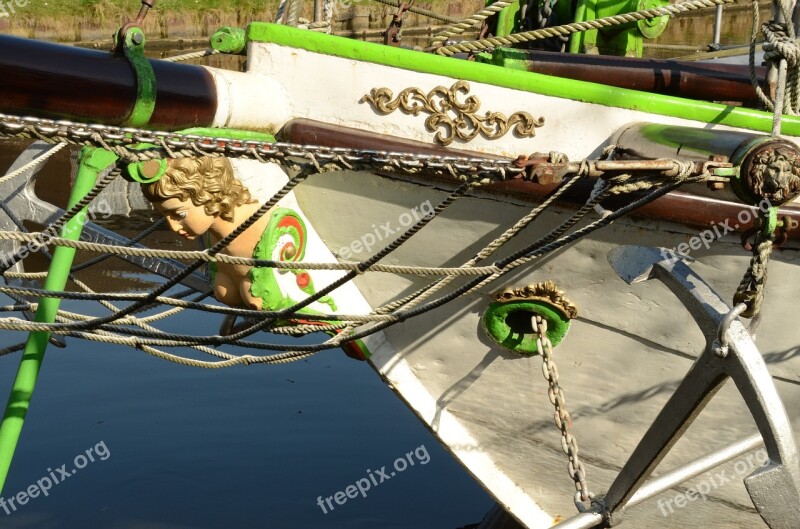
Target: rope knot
{"type": "Point", "coordinates": [780, 44]}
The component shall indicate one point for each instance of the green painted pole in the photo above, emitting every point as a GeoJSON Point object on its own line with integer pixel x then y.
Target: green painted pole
{"type": "Point", "coordinates": [92, 162]}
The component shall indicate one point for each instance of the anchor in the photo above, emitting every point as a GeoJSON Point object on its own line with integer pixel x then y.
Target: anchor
{"type": "Point", "coordinates": [729, 353]}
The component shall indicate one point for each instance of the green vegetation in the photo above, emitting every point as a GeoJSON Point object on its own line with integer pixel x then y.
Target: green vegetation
{"type": "Point", "coordinates": [93, 8]}
{"type": "Point", "coordinates": [95, 20]}
{"type": "Point", "coordinates": [87, 8]}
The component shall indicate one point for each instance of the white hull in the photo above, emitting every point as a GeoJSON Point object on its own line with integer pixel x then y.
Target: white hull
{"type": "Point", "coordinates": [620, 362]}
{"type": "Point", "coordinates": [624, 355]}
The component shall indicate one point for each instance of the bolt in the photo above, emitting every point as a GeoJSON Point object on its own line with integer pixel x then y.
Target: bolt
{"type": "Point", "coordinates": [716, 186]}
{"type": "Point", "coordinates": [138, 38]}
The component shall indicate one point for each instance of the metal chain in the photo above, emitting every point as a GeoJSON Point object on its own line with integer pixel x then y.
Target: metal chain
{"type": "Point", "coordinates": [177, 145]}
{"type": "Point", "coordinates": [314, 158]}
{"type": "Point", "coordinates": [562, 419]}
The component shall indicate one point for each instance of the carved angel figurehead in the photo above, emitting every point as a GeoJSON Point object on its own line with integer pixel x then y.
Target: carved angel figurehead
{"type": "Point", "coordinates": [195, 192]}
{"type": "Point", "coordinates": [199, 195]}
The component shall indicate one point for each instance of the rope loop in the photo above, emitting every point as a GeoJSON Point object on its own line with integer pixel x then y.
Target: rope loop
{"type": "Point", "coordinates": [779, 44]}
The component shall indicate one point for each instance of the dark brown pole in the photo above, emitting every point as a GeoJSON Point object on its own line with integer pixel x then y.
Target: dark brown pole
{"type": "Point", "coordinates": [682, 208]}
{"type": "Point", "coordinates": [709, 82]}
{"type": "Point", "coordinates": [55, 81]}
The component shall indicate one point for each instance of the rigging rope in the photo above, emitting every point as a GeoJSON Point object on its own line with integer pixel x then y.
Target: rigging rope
{"type": "Point", "coordinates": [420, 11]}
{"type": "Point", "coordinates": [122, 327]}
{"type": "Point", "coordinates": [470, 22]}
{"type": "Point", "coordinates": [575, 27]}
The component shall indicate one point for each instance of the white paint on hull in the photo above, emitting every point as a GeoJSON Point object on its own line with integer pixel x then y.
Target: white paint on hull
{"type": "Point", "coordinates": [329, 89]}
{"type": "Point", "coordinates": [251, 101]}
{"type": "Point", "coordinates": [620, 362]}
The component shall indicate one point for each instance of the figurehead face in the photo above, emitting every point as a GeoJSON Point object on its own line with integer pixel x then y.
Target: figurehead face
{"type": "Point", "coordinates": [194, 192]}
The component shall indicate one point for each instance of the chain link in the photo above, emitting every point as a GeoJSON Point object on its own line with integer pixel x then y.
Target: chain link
{"type": "Point", "coordinates": [569, 445]}
{"type": "Point", "coordinates": [177, 145]}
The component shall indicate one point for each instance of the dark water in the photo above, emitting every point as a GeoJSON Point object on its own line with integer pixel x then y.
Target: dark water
{"type": "Point", "coordinates": [247, 447]}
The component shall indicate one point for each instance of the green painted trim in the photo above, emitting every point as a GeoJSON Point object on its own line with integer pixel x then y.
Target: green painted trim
{"type": "Point", "coordinates": [230, 40]}
{"type": "Point", "coordinates": [92, 161]}
{"type": "Point", "coordinates": [231, 134]}
{"type": "Point", "coordinates": [525, 81]}
{"type": "Point", "coordinates": [133, 47]}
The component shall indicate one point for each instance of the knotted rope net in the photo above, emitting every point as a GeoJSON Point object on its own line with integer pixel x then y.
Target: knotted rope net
{"type": "Point", "coordinates": [140, 320]}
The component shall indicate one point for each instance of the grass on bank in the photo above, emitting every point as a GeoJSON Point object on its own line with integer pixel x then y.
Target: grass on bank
{"type": "Point", "coordinates": [113, 8]}
{"type": "Point", "coordinates": [100, 9]}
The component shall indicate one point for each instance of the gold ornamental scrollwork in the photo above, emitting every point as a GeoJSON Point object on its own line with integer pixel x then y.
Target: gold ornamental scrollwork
{"type": "Point", "coordinates": [546, 291]}
{"type": "Point", "coordinates": [450, 118]}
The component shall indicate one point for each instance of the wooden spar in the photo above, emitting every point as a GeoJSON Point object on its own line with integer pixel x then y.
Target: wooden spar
{"type": "Point", "coordinates": [55, 81]}
{"type": "Point", "coordinates": [679, 207]}
{"type": "Point", "coordinates": [705, 81]}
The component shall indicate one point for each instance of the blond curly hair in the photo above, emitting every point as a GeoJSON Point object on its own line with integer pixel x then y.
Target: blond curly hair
{"type": "Point", "coordinates": [207, 181]}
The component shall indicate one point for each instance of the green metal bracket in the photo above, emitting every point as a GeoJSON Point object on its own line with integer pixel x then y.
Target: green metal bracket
{"type": "Point", "coordinates": [507, 19]}
{"type": "Point", "coordinates": [229, 40]}
{"type": "Point", "coordinates": [624, 40]}
{"type": "Point", "coordinates": [133, 47]}
{"type": "Point", "coordinates": [769, 221]}
{"type": "Point", "coordinates": [92, 162]}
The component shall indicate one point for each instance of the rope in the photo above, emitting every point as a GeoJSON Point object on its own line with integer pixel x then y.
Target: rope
{"type": "Point", "coordinates": [575, 27]}
{"type": "Point", "coordinates": [294, 352]}
{"type": "Point", "coordinates": [34, 163]}
{"type": "Point", "coordinates": [193, 55]}
{"type": "Point", "coordinates": [321, 26]}
{"type": "Point", "coordinates": [123, 328]}
{"type": "Point", "coordinates": [469, 22]}
{"type": "Point", "coordinates": [782, 51]}
{"type": "Point", "coordinates": [294, 11]}
{"type": "Point", "coordinates": [329, 12]}
{"type": "Point", "coordinates": [105, 178]}
{"type": "Point", "coordinates": [420, 11]}
{"type": "Point", "coordinates": [280, 12]}
{"type": "Point", "coordinates": [751, 289]}
{"type": "Point", "coordinates": [206, 257]}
